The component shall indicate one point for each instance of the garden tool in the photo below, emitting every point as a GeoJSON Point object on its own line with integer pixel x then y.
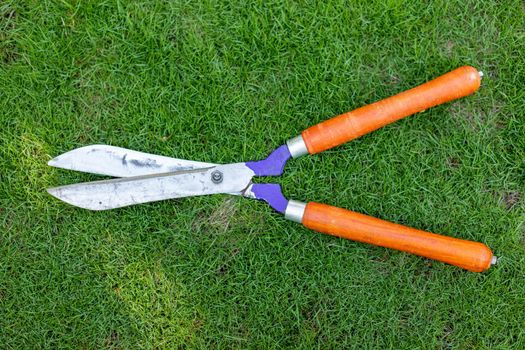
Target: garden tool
{"type": "Point", "coordinates": [143, 177]}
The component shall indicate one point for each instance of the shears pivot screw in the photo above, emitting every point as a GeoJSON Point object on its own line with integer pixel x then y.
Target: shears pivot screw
{"type": "Point", "coordinates": [216, 177]}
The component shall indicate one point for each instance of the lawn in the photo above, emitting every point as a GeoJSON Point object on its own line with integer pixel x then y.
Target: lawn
{"type": "Point", "coordinates": [229, 81]}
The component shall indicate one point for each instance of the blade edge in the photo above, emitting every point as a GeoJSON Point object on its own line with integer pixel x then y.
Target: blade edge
{"type": "Point", "coordinates": [121, 162]}
{"type": "Point", "coordinates": [116, 193]}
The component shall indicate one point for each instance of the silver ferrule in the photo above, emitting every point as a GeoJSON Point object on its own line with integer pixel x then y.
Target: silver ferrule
{"type": "Point", "coordinates": [295, 211]}
{"type": "Point", "coordinates": [297, 147]}
{"type": "Point", "coordinates": [494, 260]}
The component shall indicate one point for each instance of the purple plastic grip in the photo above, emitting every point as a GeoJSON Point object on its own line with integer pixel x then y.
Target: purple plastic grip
{"type": "Point", "coordinates": [271, 194]}
{"type": "Point", "coordinates": [273, 165]}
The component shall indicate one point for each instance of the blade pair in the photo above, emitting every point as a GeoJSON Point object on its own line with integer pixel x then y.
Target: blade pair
{"type": "Point", "coordinates": [143, 177]}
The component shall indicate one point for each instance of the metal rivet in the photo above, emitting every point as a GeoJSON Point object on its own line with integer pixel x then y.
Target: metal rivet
{"type": "Point", "coordinates": [216, 177]}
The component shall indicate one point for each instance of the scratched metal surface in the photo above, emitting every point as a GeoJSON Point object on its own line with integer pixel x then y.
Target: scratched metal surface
{"type": "Point", "coordinates": [121, 162]}
{"type": "Point", "coordinates": [121, 192]}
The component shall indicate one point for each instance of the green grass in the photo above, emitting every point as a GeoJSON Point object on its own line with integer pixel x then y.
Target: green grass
{"type": "Point", "coordinates": [226, 82]}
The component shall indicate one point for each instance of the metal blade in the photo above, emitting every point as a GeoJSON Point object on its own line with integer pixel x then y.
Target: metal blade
{"type": "Point", "coordinates": [116, 193]}
{"type": "Point", "coordinates": [121, 162]}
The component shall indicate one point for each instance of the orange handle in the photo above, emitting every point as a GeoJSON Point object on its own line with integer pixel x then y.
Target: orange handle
{"type": "Point", "coordinates": [472, 256]}
{"type": "Point", "coordinates": [348, 126]}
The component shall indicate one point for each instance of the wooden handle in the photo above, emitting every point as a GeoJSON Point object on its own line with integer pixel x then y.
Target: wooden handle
{"type": "Point", "coordinates": [348, 126]}
{"type": "Point", "coordinates": [469, 255]}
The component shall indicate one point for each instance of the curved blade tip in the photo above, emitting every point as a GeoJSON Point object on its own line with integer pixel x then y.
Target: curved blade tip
{"type": "Point", "coordinates": [57, 192]}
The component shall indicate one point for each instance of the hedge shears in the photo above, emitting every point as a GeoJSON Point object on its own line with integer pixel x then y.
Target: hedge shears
{"type": "Point", "coordinates": [143, 177]}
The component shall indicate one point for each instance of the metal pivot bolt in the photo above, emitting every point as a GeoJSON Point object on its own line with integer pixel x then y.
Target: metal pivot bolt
{"type": "Point", "coordinates": [216, 177]}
